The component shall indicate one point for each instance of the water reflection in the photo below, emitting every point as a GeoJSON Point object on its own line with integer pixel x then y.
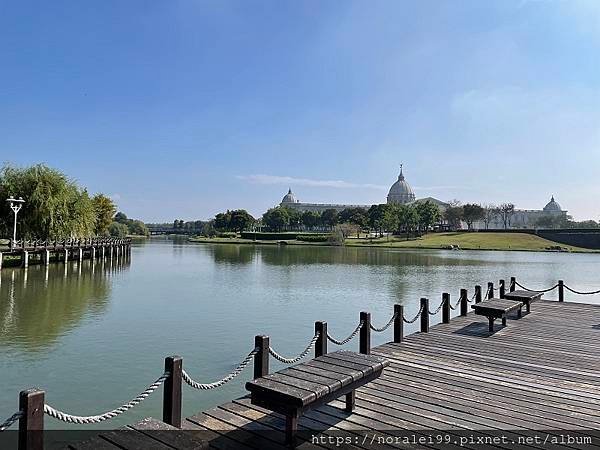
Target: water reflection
{"type": "Point", "coordinates": [41, 303]}
{"type": "Point", "coordinates": [292, 255]}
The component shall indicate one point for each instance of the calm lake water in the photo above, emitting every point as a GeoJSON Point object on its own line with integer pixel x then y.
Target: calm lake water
{"type": "Point", "coordinates": [96, 336]}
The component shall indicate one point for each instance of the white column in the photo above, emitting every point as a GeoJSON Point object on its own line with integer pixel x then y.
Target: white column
{"type": "Point", "coordinates": [80, 254]}
{"type": "Point", "coordinates": [93, 253]}
{"type": "Point", "coordinates": [25, 260]}
{"type": "Point", "coordinates": [46, 257]}
{"type": "Point", "coordinates": [66, 255]}
{"type": "Point", "coordinates": [1, 258]}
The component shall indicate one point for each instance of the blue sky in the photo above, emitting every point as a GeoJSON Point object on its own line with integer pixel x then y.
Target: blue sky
{"type": "Point", "coordinates": [185, 108]}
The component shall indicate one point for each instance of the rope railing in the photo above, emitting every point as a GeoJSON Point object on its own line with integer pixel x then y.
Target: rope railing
{"type": "Point", "coordinates": [70, 418]}
{"type": "Point", "coordinates": [581, 292]}
{"type": "Point", "coordinates": [11, 420]}
{"type": "Point", "coordinates": [536, 290]}
{"type": "Point", "coordinates": [414, 319]}
{"type": "Point", "coordinates": [348, 339]}
{"type": "Point", "coordinates": [297, 358]}
{"type": "Point", "coordinates": [453, 308]}
{"type": "Point", "coordinates": [385, 327]}
{"type": "Point", "coordinates": [433, 313]}
{"type": "Point", "coordinates": [226, 379]}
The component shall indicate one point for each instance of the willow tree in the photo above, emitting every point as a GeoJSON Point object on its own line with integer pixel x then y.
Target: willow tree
{"type": "Point", "coordinates": [105, 210]}
{"type": "Point", "coordinates": [56, 207]}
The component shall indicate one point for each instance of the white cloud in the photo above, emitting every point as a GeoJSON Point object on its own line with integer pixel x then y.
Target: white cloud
{"type": "Point", "coordinates": [115, 197]}
{"type": "Point", "coordinates": [292, 181]}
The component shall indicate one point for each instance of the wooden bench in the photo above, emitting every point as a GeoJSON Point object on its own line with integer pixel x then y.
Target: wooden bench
{"type": "Point", "coordinates": [527, 297]}
{"type": "Point", "coordinates": [300, 388]}
{"type": "Point", "coordinates": [496, 308]}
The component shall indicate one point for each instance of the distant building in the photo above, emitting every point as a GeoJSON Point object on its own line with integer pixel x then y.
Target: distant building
{"type": "Point", "coordinates": [290, 201]}
{"type": "Point", "coordinates": [526, 218]}
{"type": "Point", "coordinates": [401, 193]}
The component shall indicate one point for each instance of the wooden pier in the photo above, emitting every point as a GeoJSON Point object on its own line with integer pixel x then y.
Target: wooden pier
{"type": "Point", "coordinates": [45, 252]}
{"type": "Point", "coordinates": [541, 372]}
{"type": "Point", "coordinates": [533, 384]}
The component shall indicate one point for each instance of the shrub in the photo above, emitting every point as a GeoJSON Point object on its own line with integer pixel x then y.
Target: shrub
{"type": "Point", "coordinates": [313, 237]}
{"type": "Point", "coordinates": [268, 236]}
{"type": "Point", "coordinates": [226, 234]}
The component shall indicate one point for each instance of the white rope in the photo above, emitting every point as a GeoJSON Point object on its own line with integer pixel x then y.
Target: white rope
{"type": "Point", "coordinates": [349, 338]}
{"type": "Point", "coordinates": [414, 318]}
{"type": "Point", "coordinates": [436, 311]}
{"type": "Point", "coordinates": [285, 360]}
{"type": "Point", "coordinates": [581, 292]}
{"type": "Point", "coordinates": [386, 326]}
{"type": "Point", "coordinates": [215, 384]}
{"type": "Point", "coordinates": [11, 420]}
{"type": "Point", "coordinates": [52, 412]}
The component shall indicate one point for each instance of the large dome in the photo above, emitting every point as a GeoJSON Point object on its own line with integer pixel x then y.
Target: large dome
{"type": "Point", "coordinates": [552, 205]}
{"type": "Point", "coordinates": [401, 192]}
{"type": "Point", "coordinates": [289, 197]}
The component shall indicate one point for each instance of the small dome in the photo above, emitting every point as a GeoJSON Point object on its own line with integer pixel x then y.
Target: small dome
{"type": "Point", "coordinates": [401, 192]}
{"type": "Point", "coordinates": [552, 205]}
{"type": "Point", "coordinates": [289, 197]}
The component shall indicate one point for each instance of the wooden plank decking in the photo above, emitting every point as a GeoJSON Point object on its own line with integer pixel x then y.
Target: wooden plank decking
{"type": "Point", "coordinates": [542, 372]}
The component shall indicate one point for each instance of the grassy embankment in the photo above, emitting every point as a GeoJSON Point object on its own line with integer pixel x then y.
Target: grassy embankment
{"type": "Point", "coordinates": [462, 240]}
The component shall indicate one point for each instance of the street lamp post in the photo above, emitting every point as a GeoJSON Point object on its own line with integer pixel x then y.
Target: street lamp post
{"type": "Point", "coordinates": [15, 204]}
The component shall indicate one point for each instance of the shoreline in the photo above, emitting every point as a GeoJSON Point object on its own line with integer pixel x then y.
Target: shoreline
{"type": "Point", "coordinates": [399, 245]}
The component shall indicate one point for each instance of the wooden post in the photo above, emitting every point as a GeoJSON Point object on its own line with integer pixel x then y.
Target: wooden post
{"type": "Point", "coordinates": [31, 424]}
{"type": "Point", "coordinates": [478, 294]}
{"type": "Point", "coordinates": [513, 284]}
{"type": "Point", "coordinates": [364, 342]}
{"type": "Point", "coordinates": [445, 307]}
{"type": "Point", "coordinates": [25, 259]}
{"type": "Point", "coordinates": [490, 290]}
{"type": "Point", "coordinates": [321, 344]}
{"type": "Point", "coordinates": [172, 391]}
{"type": "Point", "coordinates": [561, 291]}
{"type": "Point", "coordinates": [261, 359]}
{"type": "Point", "coordinates": [424, 315]}
{"type": "Point", "coordinates": [464, 304]}
{"type": "Point", "coordinates": [501, 288]}
{"type": "Point", "coordinates": [398, 323]}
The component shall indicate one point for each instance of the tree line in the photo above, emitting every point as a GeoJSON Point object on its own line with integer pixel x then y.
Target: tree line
{"type": "Point", "coordinates": [56, 207]}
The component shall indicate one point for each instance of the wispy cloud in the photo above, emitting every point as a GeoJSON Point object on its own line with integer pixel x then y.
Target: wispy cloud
{"type": "Point", "coordinates": [293, 181]}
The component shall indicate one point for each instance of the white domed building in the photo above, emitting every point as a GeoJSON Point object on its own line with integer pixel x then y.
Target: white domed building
{"type": "Point", "coordinates": [401, 193]}
{"type": "Point", "coordinates": [527, 218]}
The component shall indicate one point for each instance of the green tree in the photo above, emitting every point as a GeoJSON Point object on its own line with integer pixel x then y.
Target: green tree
{"type": "Point", "coordinates": [390, 218]}
{"type": "Point", "coordinates": [137, 228]}
{"type": "Point", "coordinates": [329, 218]}
{"type": "Point", "coordinates": [408, 218]}
{"type": "Point", "coordinates": [294, 218]}
{"type": "Point", "coordinates": [429, 214]}
{"type": "Point", "coordinates": [240, 220]}
{"type": "Point", "coordinates": [454, 214]}
{"type": "Point", "coordinates": [121, 217]}
{"type": "Point", "coordinates": [376, 214]}
{"type": "Point", "coordinates": [223, 220]}
{"type": "Point", "coordinates": [104, 209]}
{"type": "Point", "coordinates": [310, 219]}
{"type": "Point", "coordinates": [117, 229]}
{"type": "Point", "coordinates": [472, 212]}
{"type": "Point", "coordinates": [276, 218]}
{"type": "Point", "coordinates": [56, 207]}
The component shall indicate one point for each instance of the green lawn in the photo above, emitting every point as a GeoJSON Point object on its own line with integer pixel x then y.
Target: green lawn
{"type": "Point", "coordinates": [472, 241]}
